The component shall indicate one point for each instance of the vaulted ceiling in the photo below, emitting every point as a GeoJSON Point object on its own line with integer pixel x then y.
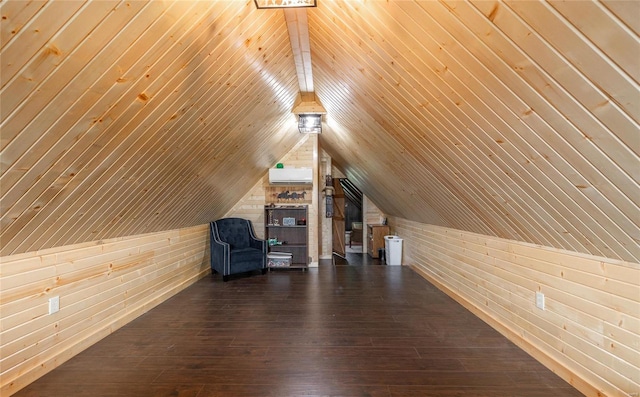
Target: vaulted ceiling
{"type": "Point", "coordinates": [516, 119]}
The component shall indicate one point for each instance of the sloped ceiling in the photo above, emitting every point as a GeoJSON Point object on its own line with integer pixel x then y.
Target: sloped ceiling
{"type": "Point", "coordinates": [512, 119]}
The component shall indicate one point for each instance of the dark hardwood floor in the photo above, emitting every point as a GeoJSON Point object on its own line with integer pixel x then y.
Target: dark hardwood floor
{"type": "Point", "coordinates": [349, 329]}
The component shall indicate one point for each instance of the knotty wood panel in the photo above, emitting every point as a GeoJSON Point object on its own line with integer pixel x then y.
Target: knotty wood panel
{"type": "Point", "coordinates": [500, 118]}
{"type": "Point", "coordinates": [588, 332]}
{"type": "Point", "coordinates": [101, 285]}
{"type": "Point", "coordinates": [124, 118]}
{"type": "Point", "coordinates": [506, 118]}
{"type": "Point", "coordinates": [326, 223]}
{"type": "Point", "coordinates": [510, 119]}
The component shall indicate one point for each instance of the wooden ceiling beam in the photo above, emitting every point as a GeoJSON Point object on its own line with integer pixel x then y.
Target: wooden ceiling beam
{"type": "Point", "coordinates": [298, 27]}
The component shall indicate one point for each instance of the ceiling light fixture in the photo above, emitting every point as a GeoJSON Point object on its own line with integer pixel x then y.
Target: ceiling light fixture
{"type": "Point", "coordinates": [310, 123]}
{"type": "Point", "coordinates": [309, 112]}
{"type": "Point", "coordinates": [262, 4]}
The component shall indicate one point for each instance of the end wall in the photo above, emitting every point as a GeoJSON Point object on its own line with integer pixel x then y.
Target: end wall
{"type": "Point", "coordinates": [102, 286]}
{"type": "Point", "coordinates": [590, 328]}
{"type": "Point", "coordinates": [251, 206]}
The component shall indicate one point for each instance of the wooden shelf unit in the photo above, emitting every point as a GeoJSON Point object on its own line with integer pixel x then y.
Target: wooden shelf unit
{"type": "Point", "coordinates": [375, 238]}
{"type": "Point", "coordinates": [294, 238]}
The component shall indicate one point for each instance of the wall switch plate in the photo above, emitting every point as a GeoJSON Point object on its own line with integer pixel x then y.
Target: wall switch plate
{"type": "Point", "coordinates": [540, 300]}
{"type": "Point", "coordinates": [54, 304]}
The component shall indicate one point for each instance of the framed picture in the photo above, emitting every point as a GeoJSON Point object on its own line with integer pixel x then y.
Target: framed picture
{"type": "Point", "coordinates": [288, 221]}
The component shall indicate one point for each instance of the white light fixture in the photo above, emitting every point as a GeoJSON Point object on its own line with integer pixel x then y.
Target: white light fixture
{"type": "Point", "coordinates": [310, 123]}
{"type": "Point", "coordinates": [261, 4]}
{"type": "Point", "coordinates": [309, 112]}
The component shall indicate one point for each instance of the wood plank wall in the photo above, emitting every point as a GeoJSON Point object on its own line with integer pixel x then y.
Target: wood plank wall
{"type": "Point", "coordinates": [589, 332]}
{"type": "Point", "coordinates": [516, 119]}
{"type": "Point", "coordinates": [120, 118]}
{"type": "Point", "coordinates": [102, 286]}
{"type": "Point", "coordinates": [325, 243]}
{"type": "Point", "coordinates": [371, 215]}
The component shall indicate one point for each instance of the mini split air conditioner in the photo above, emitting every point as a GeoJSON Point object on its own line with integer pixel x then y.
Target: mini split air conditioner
{"type": "Point", "coordinates": [290, 176]}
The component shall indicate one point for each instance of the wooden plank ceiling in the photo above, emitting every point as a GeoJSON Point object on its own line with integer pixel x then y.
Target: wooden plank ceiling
{"type": "Point", "coordinates": [512, 119]}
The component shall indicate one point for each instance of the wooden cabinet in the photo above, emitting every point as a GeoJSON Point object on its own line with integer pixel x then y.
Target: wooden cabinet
{"type": "Point", "coordinates": [286, 231]}
{"type": "Point", "coordinates": [375, 238]}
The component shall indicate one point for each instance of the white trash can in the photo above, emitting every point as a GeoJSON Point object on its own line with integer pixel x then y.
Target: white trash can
{"type": "Point", "coordinates": [393, 250]}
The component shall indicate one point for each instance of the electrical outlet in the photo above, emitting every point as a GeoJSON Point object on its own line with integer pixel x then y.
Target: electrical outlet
{"type": "Point", "coordinates": [540, 300]}
{"type": "Point", "coordinates": [54, 304]}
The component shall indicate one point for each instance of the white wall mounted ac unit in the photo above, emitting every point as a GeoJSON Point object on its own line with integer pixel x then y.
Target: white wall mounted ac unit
{"type": "Point", "coordinates": [290, 176]}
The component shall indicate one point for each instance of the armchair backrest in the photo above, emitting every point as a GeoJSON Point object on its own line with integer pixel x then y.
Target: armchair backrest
{"type": "Point", "coordinates": [236, 232]}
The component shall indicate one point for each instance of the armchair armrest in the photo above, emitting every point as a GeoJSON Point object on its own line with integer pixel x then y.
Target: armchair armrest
{"type": "Point", "coordinates": [258, 244]}
{"type": "Point", "coordinates": [255, 242]}
{"type": "Point", "coordinates": [219, 252]}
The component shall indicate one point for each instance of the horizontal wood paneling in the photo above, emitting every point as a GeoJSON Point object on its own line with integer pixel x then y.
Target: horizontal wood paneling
{"type": "Point", "coordinates": [102, 285]}
{"type": "Point", "coordinates": [371, 215]}
{"type": "Point", "coordinates": [589, 330]}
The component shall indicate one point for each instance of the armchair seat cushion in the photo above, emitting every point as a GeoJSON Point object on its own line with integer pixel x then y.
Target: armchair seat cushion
{"type": "Point", "coordinates": [244, 259]}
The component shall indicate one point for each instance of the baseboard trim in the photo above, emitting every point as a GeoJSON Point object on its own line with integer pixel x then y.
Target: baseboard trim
{"type": "Point", "coordinates": [61, 357]}
{"type": "Point", "coordinates": [571, 377]}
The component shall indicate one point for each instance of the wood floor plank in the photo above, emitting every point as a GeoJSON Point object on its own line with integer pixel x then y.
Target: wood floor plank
{"type": "Point", "coordinates": [348, 330]}
{"type": "Point", "coordinates": [292, 390]}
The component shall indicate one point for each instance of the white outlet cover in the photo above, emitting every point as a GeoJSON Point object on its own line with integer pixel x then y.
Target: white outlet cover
{"type": "Point", "coordinates": [54, 304]}
{"type": "Point", "coordinates": [540, 300]}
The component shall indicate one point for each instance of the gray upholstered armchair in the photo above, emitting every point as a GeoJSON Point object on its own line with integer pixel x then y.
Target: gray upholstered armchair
{"type": "Point", "coordinates": [235, 247]}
